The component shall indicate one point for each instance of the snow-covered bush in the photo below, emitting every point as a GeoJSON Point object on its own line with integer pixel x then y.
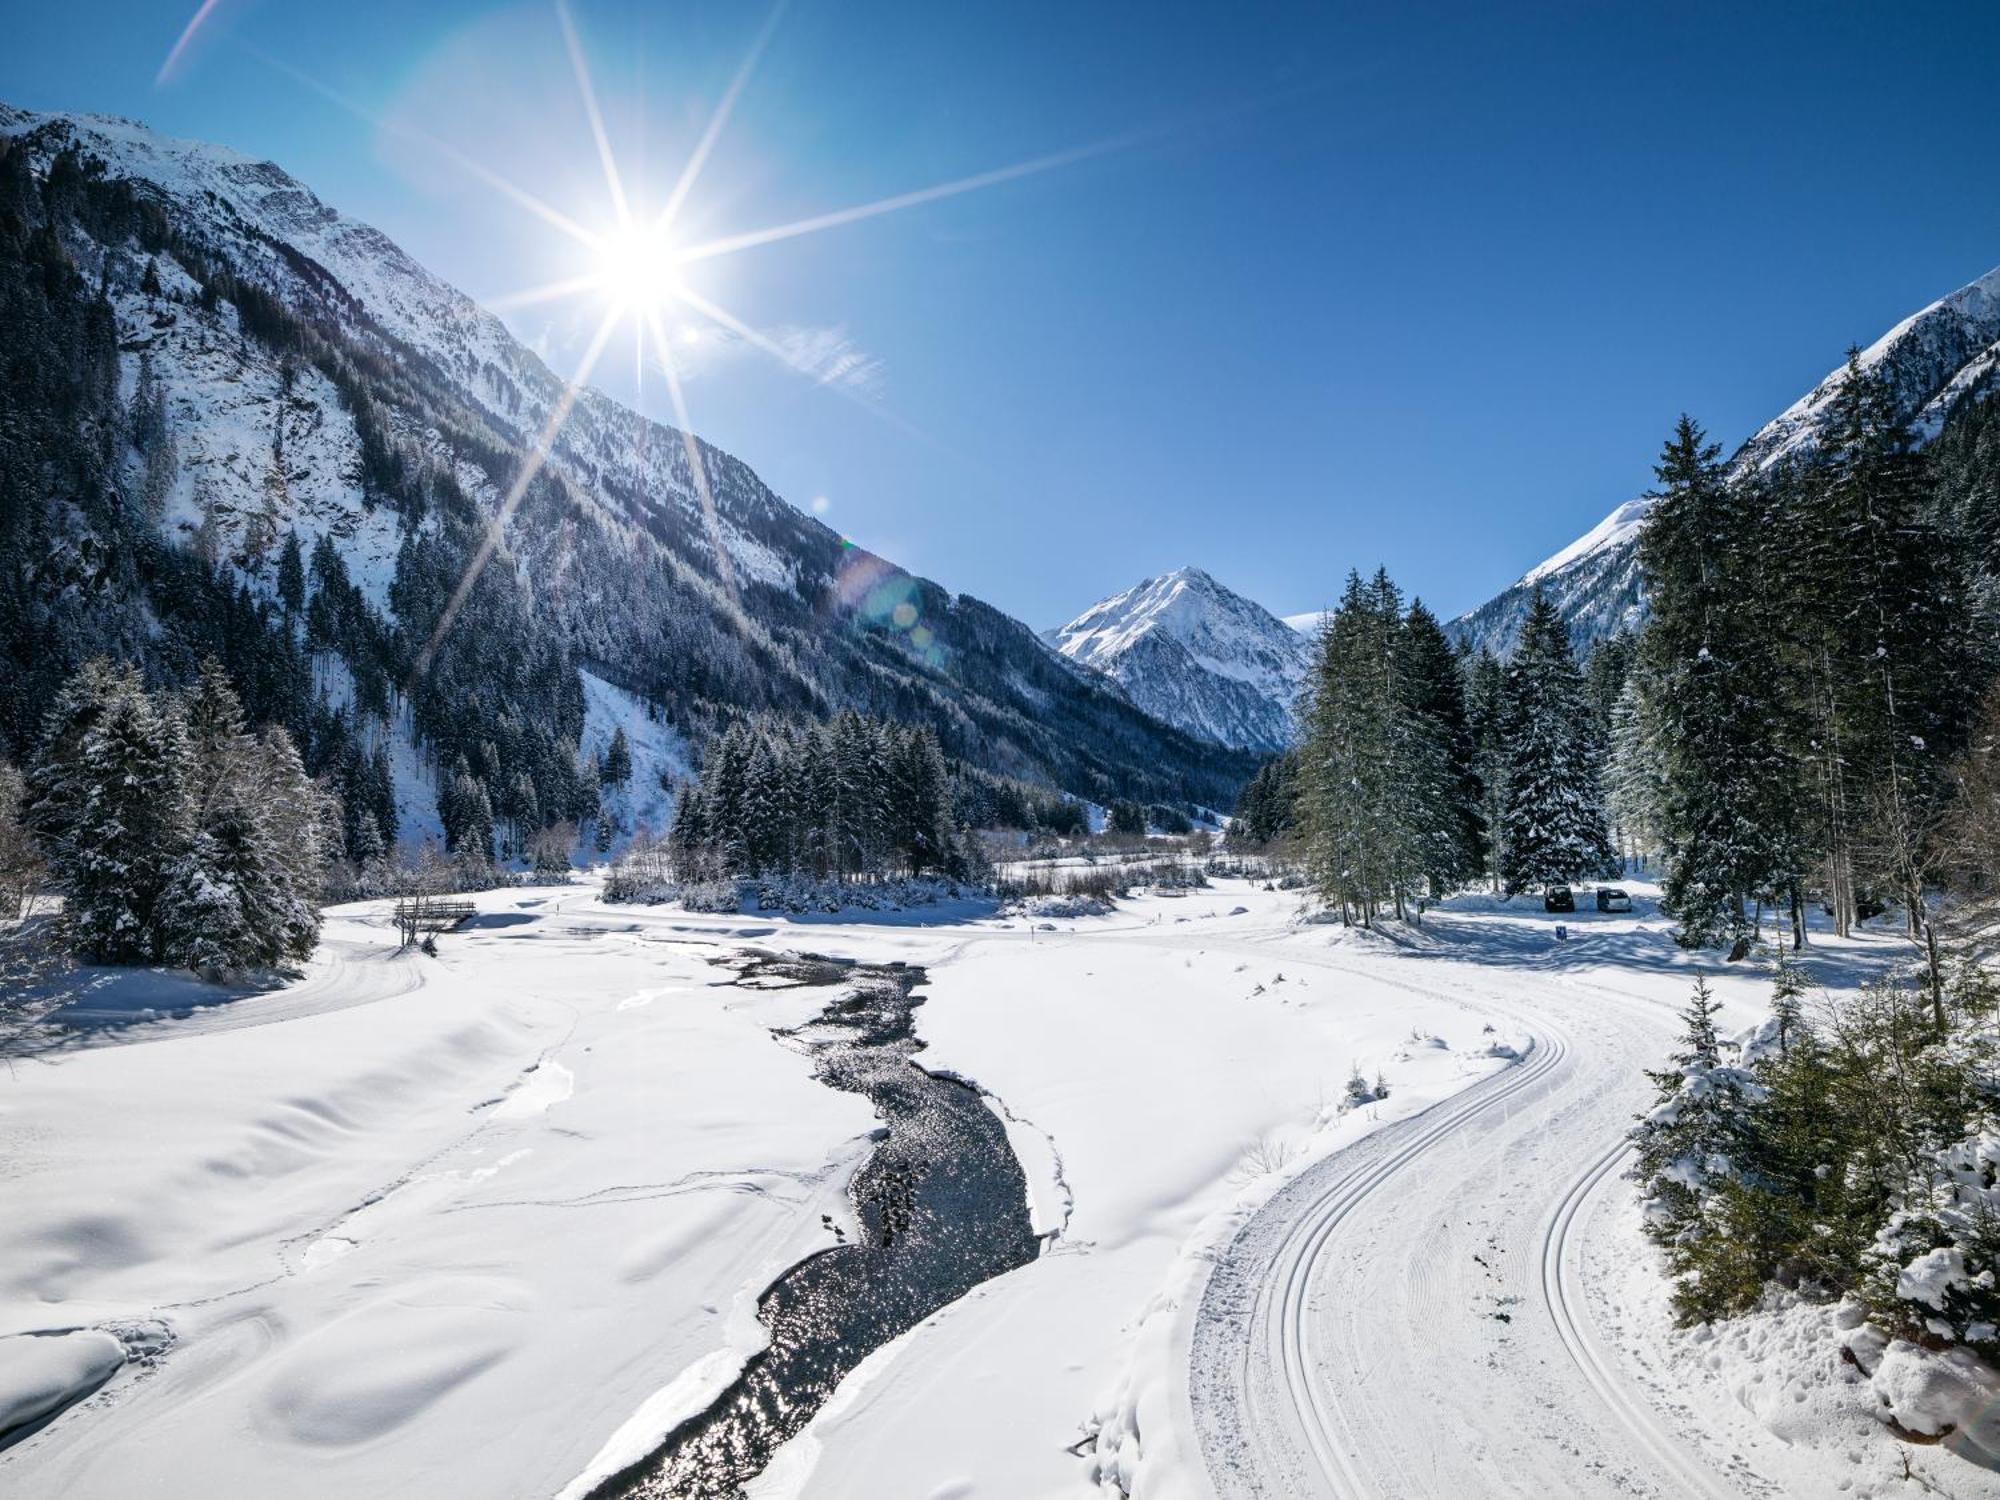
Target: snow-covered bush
{"type": "Point", "coordinates": [1694, 1140]}
{"type": "Point", "coordinates": [1360, 1091]}
{"type": "Point", "coordinates": [1066, 906]}
{"type": "Point", "coordinates": [797, 893]}
{"type": "Point", "coordinates": [802, 894]}
{"type": "Point", "coordinates": [1855, 1154]}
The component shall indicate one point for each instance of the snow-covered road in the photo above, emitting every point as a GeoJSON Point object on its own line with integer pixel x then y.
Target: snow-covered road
{"type": "Point", "coordinates": [1423, 1313]}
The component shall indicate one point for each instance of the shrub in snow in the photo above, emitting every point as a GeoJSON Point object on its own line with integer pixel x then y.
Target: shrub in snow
{"type": "Point", "coordinates": [626, 884]}
{"type": "Point", "coordinates": [1360, 1091]}
{"type": "Point", "coordinates": [1855, 1154]}
{"type": "Point", "coordinates": [1066, 906]}
{"type": "Point", "coordinates": [800, 894]}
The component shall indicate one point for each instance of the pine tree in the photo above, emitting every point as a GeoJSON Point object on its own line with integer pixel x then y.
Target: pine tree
{"type": "Point", "coordinates": [1553, 827]}
{"type": "Point", "coordinates": [108, 800]}
{"type": "Point", "coordinates": [469, 835]}
{"type": "Point", "coordinates": [1879, 614]}
{"type": "Point", "coordinates": [1453, 834]}
{"type": "Point", "coordinates": [1711, 696]}
{"type": "Point", "coordinates": [1388, 788]}
{"type": "Point", "coordinates": [291, 575]}
{"type": "Point", "coordinates": [1635, 778]}
{"type": "Point", "coordinates": [1691, 1146]}
{"type": "Point", "coordinates": [617, 769]}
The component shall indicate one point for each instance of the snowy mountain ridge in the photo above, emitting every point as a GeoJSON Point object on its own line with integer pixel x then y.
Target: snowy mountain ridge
{"type": "Point", "coordinates": [1930, 361]}
{"type": "Point", "coordinates": [1196, 654]}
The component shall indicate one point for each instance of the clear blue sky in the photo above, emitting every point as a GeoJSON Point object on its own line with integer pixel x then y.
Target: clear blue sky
{"type": "Point", "coordinates": [1409, 284]}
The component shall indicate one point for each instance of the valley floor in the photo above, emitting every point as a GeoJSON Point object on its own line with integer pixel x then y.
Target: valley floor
{"type": "Point", "coordinates": [490, 1223]}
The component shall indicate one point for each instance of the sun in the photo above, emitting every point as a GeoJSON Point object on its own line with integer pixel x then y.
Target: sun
{"type": "Point", "coordinates": [638, 270]}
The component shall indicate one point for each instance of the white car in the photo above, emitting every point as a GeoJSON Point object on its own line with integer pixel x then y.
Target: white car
{"type": "Point", "coordinates": [1610, 898]}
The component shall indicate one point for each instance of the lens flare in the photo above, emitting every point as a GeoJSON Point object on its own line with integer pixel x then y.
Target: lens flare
{"type": "Point", "coordinates": [636, 270]}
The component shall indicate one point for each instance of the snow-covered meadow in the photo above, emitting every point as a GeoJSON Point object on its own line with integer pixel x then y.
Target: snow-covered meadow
{"type": "Point", "coordinates": [483, 1222]}
{"type": "Point", "coordinates": [493, 1222]}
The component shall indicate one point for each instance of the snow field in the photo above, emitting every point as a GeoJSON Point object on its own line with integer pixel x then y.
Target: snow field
{"type": "Point", "coordinates": [444, 1242]}
{"type": "Point", "coordinates": [494, 1222]}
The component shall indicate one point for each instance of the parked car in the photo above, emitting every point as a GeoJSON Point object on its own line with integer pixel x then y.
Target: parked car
{"type": "Point", "coordinates": [1558, 898]}
{"type": "Point", "coordinates": [1610, 898]}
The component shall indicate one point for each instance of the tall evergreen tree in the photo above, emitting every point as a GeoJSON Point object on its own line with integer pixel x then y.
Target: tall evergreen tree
{"type": "Point", "coordinates": [617, 769]}
{"type": "Point", "coordinates": [108, 800]}
{"type": "Point", "coordinates": [1712, 696]}
{"type": "Point", "coordinates": [291, 575]}
{"type": "Point", "coordinates": [1387, 792]}
{"type": "Point", "coordinates": [1553, 828]}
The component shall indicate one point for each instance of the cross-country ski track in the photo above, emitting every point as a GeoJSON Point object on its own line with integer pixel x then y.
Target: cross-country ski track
{"type": "Point", "coordinates": [1414, 1315]}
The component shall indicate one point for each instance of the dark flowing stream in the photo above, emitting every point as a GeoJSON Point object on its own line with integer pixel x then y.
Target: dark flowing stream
{"type": "Point", "coordinates": [942, 1204]}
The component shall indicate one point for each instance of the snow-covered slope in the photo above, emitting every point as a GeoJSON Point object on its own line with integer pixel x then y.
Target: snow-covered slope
{"type": "Point", "coordinates": [619, 563]}
{"type": "Point", "coordinates": [1930, 361]}
{"type": "Point", "coordinates": [1191, 652]}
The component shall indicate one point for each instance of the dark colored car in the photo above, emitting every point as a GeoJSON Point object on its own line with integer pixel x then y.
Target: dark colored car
{"type": "Point", "coordinates": [1558, 898]}
{"type": "Point", "coordinates": [1610, 898]}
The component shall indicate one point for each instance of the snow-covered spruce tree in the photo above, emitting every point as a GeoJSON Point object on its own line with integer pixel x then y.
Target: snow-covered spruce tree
{"type": "Point", "coordinates": [1387, 802]}
{"type": "Point", "coordinates": [291, 575]}
{"type": "Point", "coordinates": [1634, 776]}
{"type": "Point", "coordinates": [1712, 696]}
{"type": "Point", "coordinates": [1932, 1272]}
{"type": "Point", "coordinates": [617, 768]}
{"type": "Point", "coordinates": [1265, 811]}
{"type": "Point", "coordinates": [22, 868]}
{"type": "Point", "coordinates": [1553, 828]}
{"type": "Point", "coordinates": [857, 799]}
{"type": "Point", "coordinates": [108, 802]}
{"type": "Point", "coordinates": [1860, 1163]}
{"type": "Point", "coordinates": [242, 893]}
{"type": "Point", "coordinates": [1688, 1146]}
{"type": "Point", "coordinates": [1344, 770]}
{"type": "Point", "coordinates": [1434, 688]}
{"type": "Point", "coordinates": [466, 812]}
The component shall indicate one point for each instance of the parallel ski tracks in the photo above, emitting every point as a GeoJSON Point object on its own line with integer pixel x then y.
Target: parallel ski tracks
{"type": "Point", "coordinates": [1307, 1397]}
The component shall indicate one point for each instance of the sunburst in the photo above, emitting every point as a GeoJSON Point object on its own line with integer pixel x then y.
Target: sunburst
{"type": "Point", "coordinates": [637, 270]}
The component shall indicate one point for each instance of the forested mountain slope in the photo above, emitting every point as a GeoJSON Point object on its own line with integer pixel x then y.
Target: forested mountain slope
{"type": "Point", "coordinates": [237, 422]}
{"type": "Point", "coordinates": [1928, 363]}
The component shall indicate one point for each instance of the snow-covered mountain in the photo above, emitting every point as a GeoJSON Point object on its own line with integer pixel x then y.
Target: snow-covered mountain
{"type": "Point", "coordinates": [316, 384]}
{"type": "Point", "coordinates": [1930, 361]}
{"type": "Point", "coordinates": [1199, 656]}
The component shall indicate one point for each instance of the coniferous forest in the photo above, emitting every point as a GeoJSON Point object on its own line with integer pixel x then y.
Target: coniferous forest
{"type": "Point", "coordinates": [1795, 722]}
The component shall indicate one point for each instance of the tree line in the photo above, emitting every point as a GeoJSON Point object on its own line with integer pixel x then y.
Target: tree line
{"type": "Point", "coordinates": [852, 799]}
{"type": "Point", "coordinates": [1806, 685]}
{"type": "Point", "coordinates": [1421, 769]}
{"type": "Point", "coordinates": [1799, 717]}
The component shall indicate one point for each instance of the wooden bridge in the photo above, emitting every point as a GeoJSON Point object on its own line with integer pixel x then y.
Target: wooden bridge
{"type": "Point", "coordinates": [422, 916]}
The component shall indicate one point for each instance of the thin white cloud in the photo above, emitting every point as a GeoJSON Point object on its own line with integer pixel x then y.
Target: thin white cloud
{"type": "Point", "coordinates": [828, 356]}
{"type": "Point", "coordinates": [824, 355]}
